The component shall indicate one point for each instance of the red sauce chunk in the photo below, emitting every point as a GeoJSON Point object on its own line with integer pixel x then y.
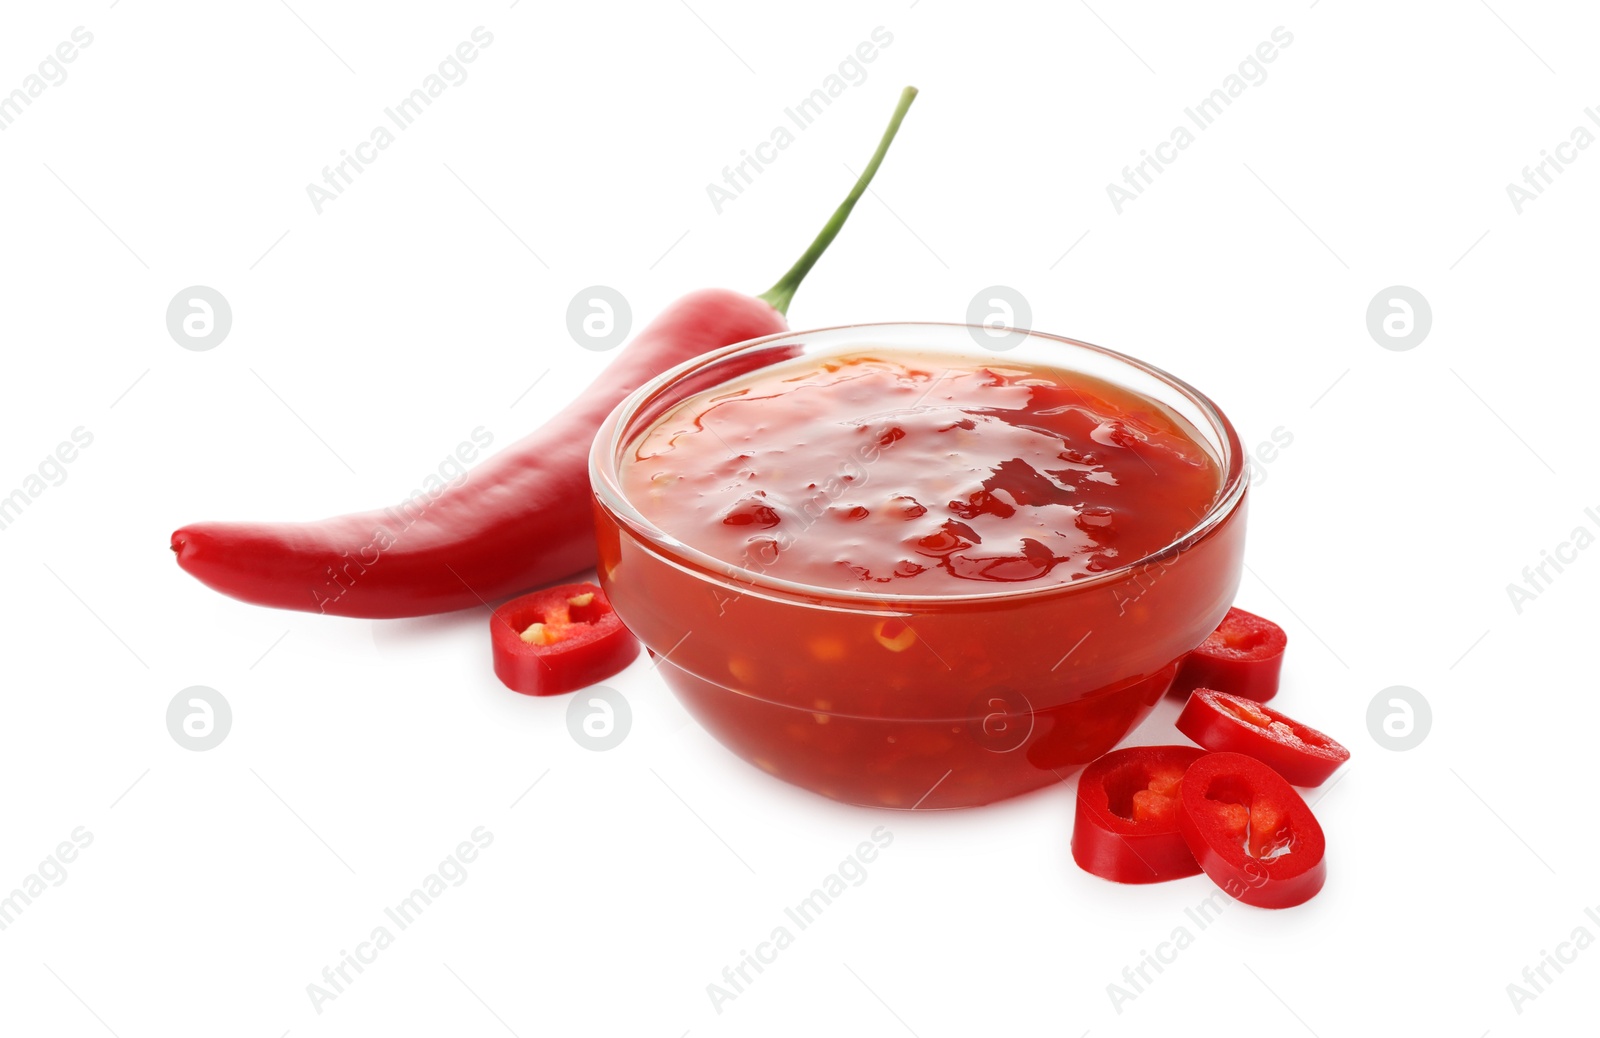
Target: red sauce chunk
{"type": "Point", "coordinates": [893, 473]}
{"type": "Point", "coordinates": [876, 472]}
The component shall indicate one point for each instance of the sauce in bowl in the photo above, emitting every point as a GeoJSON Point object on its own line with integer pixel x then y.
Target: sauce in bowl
{"type": "Point", "coordinates": [879, 473]}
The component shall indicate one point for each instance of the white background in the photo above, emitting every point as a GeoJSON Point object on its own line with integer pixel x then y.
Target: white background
{"type": "Point", "coordinates": [369, 340]}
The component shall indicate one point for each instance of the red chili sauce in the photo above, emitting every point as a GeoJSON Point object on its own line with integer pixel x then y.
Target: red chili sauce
{"type": "Point", "coordinates": [888, 474]}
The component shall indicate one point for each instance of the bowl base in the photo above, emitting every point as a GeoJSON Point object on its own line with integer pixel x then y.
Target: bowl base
{"type": "Point", "coordinates": [918, 764]}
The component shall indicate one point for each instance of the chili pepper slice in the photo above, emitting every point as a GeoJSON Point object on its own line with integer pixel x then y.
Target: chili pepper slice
{"type": "Point", "coordinates": [1250, 831]}
{"type": "Point", "coordinates": [1242, 656]}
{"type": "Point", "coordinates": [1126, 828]}
{"type": "Point", "coordinates": [559, 640]}
{"type": "Point", "coordinates": [521, 518]}
{"type": "Point", "coordinates": [1220, 722]}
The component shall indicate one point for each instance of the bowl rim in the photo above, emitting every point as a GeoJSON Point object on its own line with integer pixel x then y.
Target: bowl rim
{"type": "Point", "coordinates": [607, 489]}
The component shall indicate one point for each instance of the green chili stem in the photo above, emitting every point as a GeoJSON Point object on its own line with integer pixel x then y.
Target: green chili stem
{"type": "Point", "coordinates": [782, 293]}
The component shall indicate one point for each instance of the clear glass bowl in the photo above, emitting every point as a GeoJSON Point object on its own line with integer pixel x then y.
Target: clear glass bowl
{"type": "Point", "coordinates": [916, 701]}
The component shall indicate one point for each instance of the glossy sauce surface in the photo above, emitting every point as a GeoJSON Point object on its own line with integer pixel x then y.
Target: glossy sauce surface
{"type": "Point", "coordinates": [892, 473]}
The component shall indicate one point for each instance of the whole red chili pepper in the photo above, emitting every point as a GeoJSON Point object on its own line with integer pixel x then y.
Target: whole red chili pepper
{"type": "Point", "coordinates": [522, 519]}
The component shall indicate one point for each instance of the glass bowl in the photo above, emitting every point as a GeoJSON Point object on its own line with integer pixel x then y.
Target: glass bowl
{"type": "Point", "coordinates": [916, 701]}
